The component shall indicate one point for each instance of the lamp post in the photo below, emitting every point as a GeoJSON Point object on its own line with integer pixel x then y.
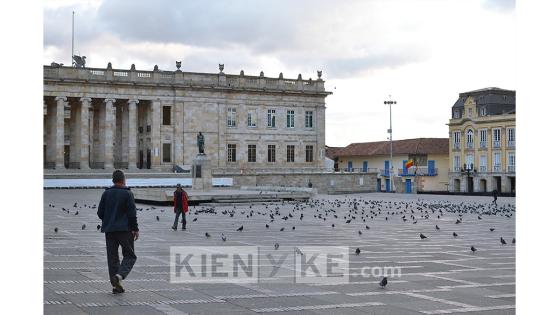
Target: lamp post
{"type": "Point", "coordinates": [390, 131]}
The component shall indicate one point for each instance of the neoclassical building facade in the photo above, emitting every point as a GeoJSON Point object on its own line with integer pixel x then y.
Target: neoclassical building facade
{"type": "Point", "coordinates": [107, 118]}
{"type": "Point", "coordinates": [482, 142]}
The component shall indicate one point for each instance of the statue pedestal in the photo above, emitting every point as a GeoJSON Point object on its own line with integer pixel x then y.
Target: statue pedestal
{"type": "Point", "coordinates": [201, 173]}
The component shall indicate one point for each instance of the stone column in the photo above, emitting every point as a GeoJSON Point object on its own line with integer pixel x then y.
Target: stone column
{"type": "Point", "coordinates": [84, 132]}
{"type": "Point", "coordinates": [156, 134]}
{"type": "Point", "coordinates": [132, 134]}
{"type": "Point", "coordinates": [59, 139]}
{"type": "Point", "coordinates": [109, 127]}
{"type": "Point", "coordinates": [178, 129]}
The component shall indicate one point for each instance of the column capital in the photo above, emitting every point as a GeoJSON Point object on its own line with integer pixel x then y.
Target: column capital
{"type": "Point", "coordinates": [60, 98]}
{"type": "Point", "coordinates": [107, 100]}
{"type": "Point", "coordinates": [134, 101]}
{"type": "Point", "coordinates": [85, 99]}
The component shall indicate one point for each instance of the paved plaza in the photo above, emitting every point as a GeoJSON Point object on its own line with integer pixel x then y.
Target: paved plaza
{"type": "Point", "coordinates": [439, 275]}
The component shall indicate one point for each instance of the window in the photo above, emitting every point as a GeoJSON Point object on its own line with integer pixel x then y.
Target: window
{"type": "Point", "coordinates": [470, 112]}
{"type": "Point", "coordinates": [166, 115]}
{"type": "Point", "coordinates": [456, 113]}
{"type": "Point", "coordinates": [419, 159]}
{"type": "Point", "coordinates": [497, 137]}
{"type": "Point", "coordinates": [271, 118]}
{"type": "Point", "coordinates": [231, 153]}
{"type": "Point", "coordinates": [482, 135]}
{"type": "Point", "coordinates": [290, 115]}
{"type": "Point", "coordinates": [308, 153]}
{"type": "Point", "coordinates": [497, 162]}
{"type": "Point", "coordinates": [290, 153]}
{"type": "Point", "coordinates": [482, 164]}
{"type": "Point", "coordinates": [456, 139]}
{"type": "Point", "coordinates": [482, 111]}
{"type": "Point", "coordinates": [308, 119]}
{"type": "Point", "coordinates": [271, 153]}
{"type": "Point", "coordinates": [469, 161]}
{"type": "Point", "coordinates": [231, 117]}
{"type": "Point", "coordinates": [511, 137]}
{"type": "Point", "coordinates": [167, 153]}
{"type": "Point", "coordinates": [252, 153]}
{"type": "Point", "coordinates": [470, 138]}
{"type": "Point", "coordinates": [511, 162]}
{"type": "Point", "coordinates": [456, 163]}
{"type": "Point", "coordinates": [251, 118]}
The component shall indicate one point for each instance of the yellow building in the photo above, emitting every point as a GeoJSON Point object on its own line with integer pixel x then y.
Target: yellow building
{"type": "Point", "coordinates": [482, 142]}
{"type": "Point", "coordinates": [429, 173]}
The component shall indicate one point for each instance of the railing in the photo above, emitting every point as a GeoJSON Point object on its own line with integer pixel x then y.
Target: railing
{"type": "Point", "coordinates": [385, 172]}
{"type": "Point", "coordinates": [359, 170]}
{"type": "Point", "coordinates": [470, 145]}
{"type": "Point", "coordinates": [456, 145]}
{"type": "Point", "coordinates": [511, 144]}
{"type": "Point", "coordinates": [419, 171]}
{"type": "Point", "coordinates": [178, 77]}
{"type": "Point", "coordinates": [511, 168]}
{"type": "Point", "coordinates": [457, 169]}
{"type": "Point", "coordinates": [482, 169]}
{"type": "Point", "coordinates": [483, 144]}
{"type": "Point", "coordinates": [497, 168]}
{"type": "Point", "coordinates": [496, 144]}
{"type": "Point", "coordinates": [279, 170]}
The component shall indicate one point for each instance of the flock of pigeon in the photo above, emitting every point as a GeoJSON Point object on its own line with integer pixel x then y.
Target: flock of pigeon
{"type": "Point", "coordinates": [345, 211]}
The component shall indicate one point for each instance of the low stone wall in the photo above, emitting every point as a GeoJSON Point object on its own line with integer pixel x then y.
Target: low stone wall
{"type": "Point", "coordinates": [325, 183]}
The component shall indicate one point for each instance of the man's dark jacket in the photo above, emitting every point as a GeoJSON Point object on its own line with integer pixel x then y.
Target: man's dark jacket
{"type": "Point", "coordinates": [117, 210]}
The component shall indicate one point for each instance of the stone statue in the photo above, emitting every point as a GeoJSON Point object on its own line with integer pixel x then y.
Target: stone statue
{"type": "Point", "coordinates": [242, 73]}
{"type": "Point", "coordinates": [221, 67]}
{"type": "Point", "coordinates": [299, 76]}
{"type": "Point", "coordinates": [79, 62]}
{"type": "Point", "coordinates": [56, 65]}
{"type": "Point", "coordinates": [262, 74]}
{"type": "Point", "coordinates": [133, 67]}
{"type": "Point", "coordinates": [319, 73]}
{"type": "Point", "coordinates": [109, 66]}
{"type": "Point", "coordinates": [156, 69]}
{"type": "Point", "coordinates": [178, 65]}
{"type": "Point", "coordinates": [281, 76]}
{"type": "Point", "coordinates": [200, 143]}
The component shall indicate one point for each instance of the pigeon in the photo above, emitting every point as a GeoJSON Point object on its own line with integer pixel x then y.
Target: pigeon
{"type": "Point", "coordinates": [455, 234]}
{"type": "Point", "coordinates": [332, 225]}
{"type": "Point", "coordinates": [293, 228]}
{"type": "Point", "coordinates": [513, 241]}
{"type": "Point", "coordinates": [282, 229]}
{"type": "Point", "coordinates": [422, 236]}
{"type": "Point", "coordinates": [492, 229]}
{"type": "Point", "coordinates": [267, 226]}
{"type": "Point", "coordinates": [77, 212]}
{"type": "Point", "coordinates": [98, 227]}
{"type": "Point", "coordinates": [358, 251]}
{"type": "Point", "coordinates": [83, 226]}
{"type": "Point", "coordinates": [359, 232]}
{"type": "Point", "coordinates": [383, 282]}
{"type": "Point", "coordinates": [479, 217]}
{"type": "Point", "coordinates": [473, 249]}
{"type": "Point", "coordinates": [194, 220]}
{"type": "Point", "coordinates": [240, 228]}
{"type": "Point", "coordinates": [367, 227]}
{"type": "Point", "coordinates": [207, 234]}
{"type": "Point", "coordinates": [56, 230]}
{"type": "Point", "coordinates": [437, 227]}
{"type": "Point", "coordinates": [298, 251]}
{"type": "Point", "coordinates": [349, 220]}
{"type": "Point", "coordinates": [276, 245]}
{"type": "Point", "coordinates": [458, 221]}
{"type": "Point", "coordinates": [223, 237]}
{"type": "Point", "coordinates": [157, 217]}
{"type": "Point", "coordinates": [502, 241]}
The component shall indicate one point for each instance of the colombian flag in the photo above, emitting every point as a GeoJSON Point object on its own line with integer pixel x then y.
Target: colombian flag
{"type": "Point", "coordinates": [409, 164]}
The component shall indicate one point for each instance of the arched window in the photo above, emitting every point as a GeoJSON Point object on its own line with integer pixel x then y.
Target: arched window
{"type": "Point", "coordinates": [470, 138]}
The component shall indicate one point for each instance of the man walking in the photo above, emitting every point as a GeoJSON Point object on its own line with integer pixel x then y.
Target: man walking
{"type": "Point", "coordinates": [117, 212]}
{"type": "Point", "coordinates": [495, 195]}
{"type": "Point", "coordinates": [180, 207]}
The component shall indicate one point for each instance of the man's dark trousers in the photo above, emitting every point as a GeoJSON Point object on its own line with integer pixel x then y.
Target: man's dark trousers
{"type": "Point", "coordinates": [125, 240]}
{"type": "Point", "coordinates": [184, 221]}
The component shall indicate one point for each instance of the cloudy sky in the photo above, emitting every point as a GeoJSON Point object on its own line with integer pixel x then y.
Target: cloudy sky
{"type": "Point", "coordinates": [421, 52]}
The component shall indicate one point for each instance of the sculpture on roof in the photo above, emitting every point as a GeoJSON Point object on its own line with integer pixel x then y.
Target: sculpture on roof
{"type": "Point", "coordinates": [178, 65]}
{"type": "Point", "coordinates": [79, 62]}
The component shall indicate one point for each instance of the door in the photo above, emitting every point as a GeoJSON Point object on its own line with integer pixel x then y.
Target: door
{"type": "Point", "coordinates": [67, 156]}
{"type": "Point", "coordinates": [470, 184]}
{"type": "Point", "coordinates": [141, 159]}
{"type": "Point", "coordinates": [386, 170]}
{"type": "Point", "coordinates": [349, 166]}
{"type": "Point", "coordinates": [387, 185]}
{"type": "Point", "coordinates": [431, 167]}
{"type": "Point", "coordinates": [365, 166]}
{"type": "Point", "coordinates": [379, 184]}
{"type": "Point", "coordinates": [408, 186]}
{"type": "Point", "coordinates": [148, 159]}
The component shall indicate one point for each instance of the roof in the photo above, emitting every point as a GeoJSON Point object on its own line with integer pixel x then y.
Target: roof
{"type": "Point", "coordinates": [407, 146]}
{"type": "Point", "coordinates": [491, 95]}
{"type": "Point", "coordinates": [331, 152]}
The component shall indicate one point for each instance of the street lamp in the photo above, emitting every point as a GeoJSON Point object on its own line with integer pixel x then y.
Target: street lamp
{"type": "Point", "coordinates": [390, 131]}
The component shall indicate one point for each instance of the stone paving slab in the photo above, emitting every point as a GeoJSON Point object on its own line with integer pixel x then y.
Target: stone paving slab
{"type": "Point", "coordinates": [439, 275]}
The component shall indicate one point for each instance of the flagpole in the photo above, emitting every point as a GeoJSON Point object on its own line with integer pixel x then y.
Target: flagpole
{"type": "Point", "coordinates": [72, 57]}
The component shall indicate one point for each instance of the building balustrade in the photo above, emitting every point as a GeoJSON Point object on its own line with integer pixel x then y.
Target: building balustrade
{"type": "Point", "coordinates": [184, 78]}
{"type": "Point", "coordinates": [482, 169]}
{"type": "Point", "coordinates": [511, 144]}
{"type": "Point", "coordinates": [511, 168]}
{"type": "Point", "coordinates": [456, 145]}
{"type": "Point", "coordinates": [496, 144]}
{"type": "Point", "coordinates": [483, 144]}
{"type": "Point", "coordinates": [418, 171]}
{"type": "Point", "coordinates": [470, 145]}
{"type": "Point", "coordinates": [497, 168]}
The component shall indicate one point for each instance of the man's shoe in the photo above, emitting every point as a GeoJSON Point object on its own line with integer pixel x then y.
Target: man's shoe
{"type": "Point", "coordinates": [184, 228]}
{"type": "Point", "coordinates": [117, 285]}
{"type": "Point", "coordinates": [174, 228]}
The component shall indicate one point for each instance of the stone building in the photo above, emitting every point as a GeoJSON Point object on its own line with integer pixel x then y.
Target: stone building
{"type": "Point", "coordinates": [428, 175]}
{"type": "Point", "coordinates": [108, 118]}
{"type": "Point", "coordinates": [482, 142]}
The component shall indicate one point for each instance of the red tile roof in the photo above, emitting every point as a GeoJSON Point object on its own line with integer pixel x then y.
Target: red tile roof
{"type": "Point", "coordinates": [407, 146]}
{"type": "Point", "coordinates": [331, 152]}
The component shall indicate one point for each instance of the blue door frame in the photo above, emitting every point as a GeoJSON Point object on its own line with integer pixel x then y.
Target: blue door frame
{"type": "Point", "coordinates": [364, 166]}
{"type": "Point", "coordinates": [408, 186]}
{"type": "Point", "coordinates": [386, 170]}
{"type": "Point", "coordinates": [431, 167]}
{"type": "Point", "coordinates": [349, 166]}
